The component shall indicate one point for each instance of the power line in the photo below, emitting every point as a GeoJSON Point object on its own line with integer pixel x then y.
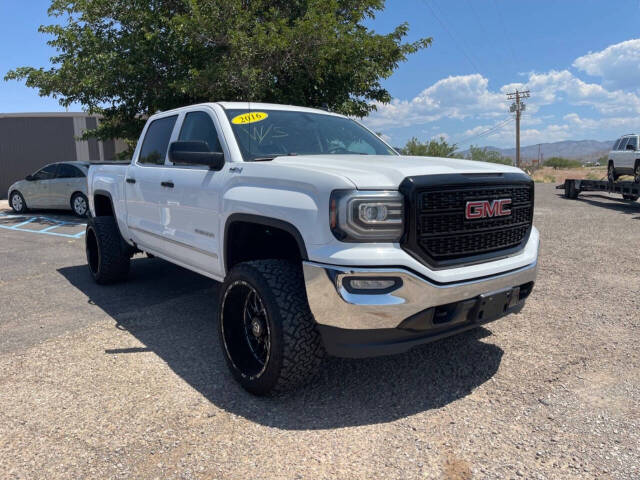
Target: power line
{"type": "Point", "coordinates": [487, 132]}
{"type": "Point", "coordinates": [458, 44]}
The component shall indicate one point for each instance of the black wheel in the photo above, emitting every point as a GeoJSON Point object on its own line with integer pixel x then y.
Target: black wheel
{"type": "Point", "coordinates": [631, 198]}
{"type": "Point", "coordinates": [79, 204]}
{"type": "Point", "coordinates": [108, 256]}
{"type": "Point", "coordinates": [268, 334]}
{"type": "Point", "coordinates": [611, 173]}
{"type": "Point", "coordinates": [636, 172]}
{"type": "Point", "coordinates": [16, 200]}
{"type": "Point", "coordinates": [570, 190]}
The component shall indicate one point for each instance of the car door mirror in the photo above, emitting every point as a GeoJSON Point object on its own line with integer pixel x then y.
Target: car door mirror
{"type": "Point", "coordinates": [29, 178]}
{"type": "Point", "coordinates": [631, 147]}
{"type": "Point", "coordinates": [195, 153]}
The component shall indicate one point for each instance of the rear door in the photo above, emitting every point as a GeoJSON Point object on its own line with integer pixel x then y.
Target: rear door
{"type": "Point", "coordinates": [191, 197]}
{"type": "Point", "coordinates": [630, 153]}
{"type": "Point", "coordinates": [143, 191]}
{"type": "Point", "coordinates": [69, 179]}
{"type": "Point", "coordinates": [618, 155]}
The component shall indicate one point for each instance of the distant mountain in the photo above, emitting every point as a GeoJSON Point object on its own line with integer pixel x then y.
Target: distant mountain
{"type": "Point", "coordinates": [579, 149]}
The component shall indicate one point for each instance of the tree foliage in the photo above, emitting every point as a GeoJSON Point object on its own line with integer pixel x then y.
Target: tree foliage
{"type": "Point", "coordinates": [432, 148]}
{"type": "Point", "coordinates": [127, 59]}
{"type": "Point", "coordinates": [486, 155]}
{"type": "Point", "coordinates": [560, 162]}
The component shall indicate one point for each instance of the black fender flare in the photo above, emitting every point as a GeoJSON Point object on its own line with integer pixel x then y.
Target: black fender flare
{"type": "Point", "coordinates": [266, 221]}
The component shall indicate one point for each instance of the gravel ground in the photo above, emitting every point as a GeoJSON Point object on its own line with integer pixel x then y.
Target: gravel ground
{"type": "Point", "coordinates": [128, 381]}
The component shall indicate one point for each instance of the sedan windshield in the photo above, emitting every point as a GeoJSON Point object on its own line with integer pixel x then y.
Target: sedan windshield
{"type": "Point", "coordinates": [265, 134]}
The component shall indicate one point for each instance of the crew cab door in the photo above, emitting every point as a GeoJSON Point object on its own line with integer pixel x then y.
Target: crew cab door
{"type": "Point", "coordinates": [630, 154]}
{"type": "Point", "coordinates": [190, 205]}
{"type": "Point", "coordinates": [143, 191]}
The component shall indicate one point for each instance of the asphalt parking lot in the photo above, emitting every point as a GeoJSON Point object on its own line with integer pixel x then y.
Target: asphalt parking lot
{"type": "Point", "coordinates": [128, 381]}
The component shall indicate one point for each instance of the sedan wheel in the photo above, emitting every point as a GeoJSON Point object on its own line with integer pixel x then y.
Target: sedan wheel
{"type": "Point", "coordinates": [17, 203]}
{"type": "Point", "coordinates": [79, 204]}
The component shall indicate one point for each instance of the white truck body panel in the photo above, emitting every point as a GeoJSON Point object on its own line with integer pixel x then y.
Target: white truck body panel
{"type": "Point", "coordinates": [186, 224]}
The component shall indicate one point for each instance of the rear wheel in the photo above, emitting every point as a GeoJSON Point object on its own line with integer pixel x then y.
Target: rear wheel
{"type": "Point", "coordinates": [631, 198]}
{"type": "Point", "coordinates": [108, 256]}
{"type": "Point", "coordinates": [268, 334]}
{"type": "Point", "coordinates": [79, 204]}
{"type": "Point", "coordinates": [16, 200]}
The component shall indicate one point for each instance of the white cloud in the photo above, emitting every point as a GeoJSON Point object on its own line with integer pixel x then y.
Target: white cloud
{"type": "Point", "coordinates": [562, 105]}
{"type": "Point", "coordinates": [453, 97]}
{"type": "Point", "coordinates": [618, 65]}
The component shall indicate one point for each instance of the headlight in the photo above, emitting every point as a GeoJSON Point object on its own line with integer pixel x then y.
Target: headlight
{"type": "Point", "coordinates": [366, 216]}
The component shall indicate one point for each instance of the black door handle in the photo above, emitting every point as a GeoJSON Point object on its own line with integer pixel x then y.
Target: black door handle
{"type": "Point", "coordinates": [167, 184]}
{"type": "Point", "coordinates": [131, 180]}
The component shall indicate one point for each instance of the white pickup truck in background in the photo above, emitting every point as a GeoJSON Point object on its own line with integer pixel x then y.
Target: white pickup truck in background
{"type": "Point", "coordinates": [326, 240]}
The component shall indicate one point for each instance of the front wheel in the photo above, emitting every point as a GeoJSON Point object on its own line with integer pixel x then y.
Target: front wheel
{"type": "Point", "coordinates": [611, 173]}
{"type": "Point", "coordinates": [636, 173]}
{"type": "Point", "coordinates": [631, 198]}
{"type": "Point", "coordinates": [16, 200]}
{"type": "Point", "coordinates": [268, 334]}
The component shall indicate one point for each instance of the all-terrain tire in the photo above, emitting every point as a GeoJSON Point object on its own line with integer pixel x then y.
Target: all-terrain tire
{"type": "Point", "coordinates": [296, 351]}
{"type": "Point", "coordinates": [108, 255]}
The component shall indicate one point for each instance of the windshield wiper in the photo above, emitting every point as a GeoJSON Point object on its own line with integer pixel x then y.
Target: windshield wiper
{"type": "Point", "coordinates": [268, 158]}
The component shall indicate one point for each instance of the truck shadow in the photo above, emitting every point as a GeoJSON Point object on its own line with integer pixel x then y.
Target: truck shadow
{"type": "Point", "coordinates": [172, 312]}
{"type": "Point", "coordinates": [610, 203]}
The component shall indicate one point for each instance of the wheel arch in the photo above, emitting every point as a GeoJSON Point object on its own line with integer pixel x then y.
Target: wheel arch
{"type": "Point", "coordinates": [239, 223]}
{"type": "Point", "coordinates": [103, 204]}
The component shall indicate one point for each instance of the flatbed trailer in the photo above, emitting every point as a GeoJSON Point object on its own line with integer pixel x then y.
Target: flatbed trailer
{"type": "Point", "coordinates": [573, 187]}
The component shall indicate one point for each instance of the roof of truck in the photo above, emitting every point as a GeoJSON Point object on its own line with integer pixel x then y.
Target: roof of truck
{"type": "Point", "coordinates": [253, 106]}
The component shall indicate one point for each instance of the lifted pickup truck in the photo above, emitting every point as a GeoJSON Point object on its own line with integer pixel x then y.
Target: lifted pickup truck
{"type": "Point", "coordinates": [325, 238]}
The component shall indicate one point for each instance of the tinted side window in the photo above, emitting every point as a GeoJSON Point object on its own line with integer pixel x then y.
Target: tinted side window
{"type": "Point", "coordinates": [623, 143]}
{"type": "Point", "coordinates": [156, 141]}
{"type": "Point", "coordinates": [46, 173]}
{"type": "Point", "coordinates": [633, 141]}
{"type": "Point", "coordinates": [198, 126]}
{"type": "Point", "coordinates": [69, 171]}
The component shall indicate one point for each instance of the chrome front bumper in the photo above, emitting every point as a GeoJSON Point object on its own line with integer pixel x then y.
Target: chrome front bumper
{"type": "Point", "coordinates": [333, 306]}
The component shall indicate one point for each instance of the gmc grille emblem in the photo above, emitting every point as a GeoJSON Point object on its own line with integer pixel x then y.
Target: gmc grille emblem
{"type": "Point", "coordinates": [487, 208]}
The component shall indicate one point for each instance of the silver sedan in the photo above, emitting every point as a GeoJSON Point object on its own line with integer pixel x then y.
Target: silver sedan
{"type": "Point", "coordinates": [57, 186]}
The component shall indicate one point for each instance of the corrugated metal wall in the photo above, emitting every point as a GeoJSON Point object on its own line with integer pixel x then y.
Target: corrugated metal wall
{"type": "Point", "coordinates": [28, 142]}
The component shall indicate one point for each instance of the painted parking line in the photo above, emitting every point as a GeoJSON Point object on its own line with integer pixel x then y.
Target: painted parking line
{"type": "Point", "coordinates": [49, 230]}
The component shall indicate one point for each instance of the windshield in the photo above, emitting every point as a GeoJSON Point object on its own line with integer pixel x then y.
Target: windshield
{"type": "Point", "coordinates": [264, 134]}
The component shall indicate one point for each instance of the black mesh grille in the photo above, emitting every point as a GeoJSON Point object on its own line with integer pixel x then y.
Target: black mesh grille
{"type": "Point", "coordinates": [443, 234]}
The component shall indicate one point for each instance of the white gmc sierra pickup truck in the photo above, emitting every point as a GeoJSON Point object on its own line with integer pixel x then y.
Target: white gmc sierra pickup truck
{"type": "Point", "coordinates": [326, 240]}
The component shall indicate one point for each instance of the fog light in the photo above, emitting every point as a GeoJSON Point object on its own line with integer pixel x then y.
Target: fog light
{"type": "Point", "coordinates": [368, 285]}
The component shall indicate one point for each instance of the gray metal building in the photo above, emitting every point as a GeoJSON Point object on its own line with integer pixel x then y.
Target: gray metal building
{"type": "Point", "coordinates": [30, 140]}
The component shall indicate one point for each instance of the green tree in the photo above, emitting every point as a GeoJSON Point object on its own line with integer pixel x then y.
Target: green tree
{"type": "Point", "coordinates": [127, 59]}
{"type": "Point", "coordinates": [560, 162]}
{"type": "Point", "coordinates": [432, 148]}
{"type": "Point", "coordinates": [486, 155]}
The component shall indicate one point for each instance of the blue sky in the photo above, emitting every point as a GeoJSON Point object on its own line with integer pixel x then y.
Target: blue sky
{"type": "Point", "coordinates": [580, 59]}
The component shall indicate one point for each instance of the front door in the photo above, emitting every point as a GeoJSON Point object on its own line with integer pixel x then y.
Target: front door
{"type": "Point", "coordinates": [143, 191]}
{"type": "Point", "coordinates": [191, 199]}
{"type": "Point", "coordinates": [37, 192]}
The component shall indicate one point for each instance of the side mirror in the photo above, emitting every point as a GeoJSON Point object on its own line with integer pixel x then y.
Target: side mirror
{"type": "Point", "coordinates": [630, 147]}
{"type": "Point", "coordinates": [29, 178]}
{"type": "Point", "coordinates": [195, 153]}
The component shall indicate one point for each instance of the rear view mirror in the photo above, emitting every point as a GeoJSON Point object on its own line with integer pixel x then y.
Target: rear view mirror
{"type": "Point", "coordinates": [29, 178]}
{"type": "Point", "coordinates": [195, 153]}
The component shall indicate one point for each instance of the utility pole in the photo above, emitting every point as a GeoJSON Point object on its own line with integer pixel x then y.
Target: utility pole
{"type": "Point", "coordinates": [518, 107]}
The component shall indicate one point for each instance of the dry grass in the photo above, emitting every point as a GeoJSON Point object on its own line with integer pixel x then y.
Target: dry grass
{"type": "Point", "coordinates": [551, 175]}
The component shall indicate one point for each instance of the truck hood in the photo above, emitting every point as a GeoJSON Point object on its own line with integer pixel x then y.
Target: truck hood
{"type": "Point", "coordinates": [387, 171]}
